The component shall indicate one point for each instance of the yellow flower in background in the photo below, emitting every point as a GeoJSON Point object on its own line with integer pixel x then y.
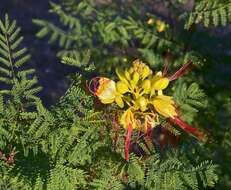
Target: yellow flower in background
{"type": "Point", "coordinates": [160, 26]}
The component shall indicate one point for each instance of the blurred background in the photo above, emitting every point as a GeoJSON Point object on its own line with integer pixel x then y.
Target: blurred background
{"type": "Point", "coordinates": [51, 73]}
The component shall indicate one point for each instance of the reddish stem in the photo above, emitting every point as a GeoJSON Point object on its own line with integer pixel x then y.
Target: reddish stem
{"type": "Point", "coordinates": [166, 65]}
{"type": "Point", "coordinates": [92, 85]}
{"type": "Point", "coordinates": [128, 141]}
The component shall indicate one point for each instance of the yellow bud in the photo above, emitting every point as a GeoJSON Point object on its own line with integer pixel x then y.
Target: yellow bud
{"type": "Point", "coordinates": [146, 85]}
{"type": "Point", "coordinates": [121, 87]}
{"type": "Point", "coordinates": [119, 101]}
{"type": "Point", "coordinates": [127, 75]}
{"type": "Point", "coordinates": [135, 78]}
{"type": "Point", "coordinates": [142, 102]}
{"type": "Point", "coordinates": [145, 72]}
{"type": "Point", "coordinates": [159, 83]}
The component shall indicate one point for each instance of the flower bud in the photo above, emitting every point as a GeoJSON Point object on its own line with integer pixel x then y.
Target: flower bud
{"type": "Point", "coordinates": [146, 85]}
{"type": "Point", "coordinates": [131, 70]}
{"type": "Point", "coordinates": [145, 72]}
{"type": "Point", "coordinates": [135, 78]}
{"type": "Point", "coordinates": [121, 87]}
{"type": "Point", "coordinates": [127, 75]}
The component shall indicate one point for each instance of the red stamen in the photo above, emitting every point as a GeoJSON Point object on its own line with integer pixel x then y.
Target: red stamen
{"type": "Point", "coordinates": [128, 141]}
{"type": "Point", "coordinates": [183, 70]}
{"type": "Point", "coordinates": [186, 127]}
{"type": "Point", "coordinates": [89, 85]}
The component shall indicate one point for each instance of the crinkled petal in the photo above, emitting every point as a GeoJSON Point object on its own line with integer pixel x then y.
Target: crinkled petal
{"type": "Point", "coordinates": [106, 91]}
{"type": "Point", "coordinates": [164, 106]}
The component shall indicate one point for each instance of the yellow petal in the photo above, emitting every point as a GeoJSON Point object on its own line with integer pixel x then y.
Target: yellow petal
{"type": "Point", "coordinates": [159, 83]}
{"type": "Point", "coordinates": [121, 87]}
{"type": "Point", "coordinates": [121, 75]}
{"type": "Point", "coordinates": [166, 98]}
{"type": "Point", "coordinates": [119, 101]}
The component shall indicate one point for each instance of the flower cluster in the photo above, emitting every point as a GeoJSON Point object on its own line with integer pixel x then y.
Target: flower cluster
{"type": "Point", "coordinates": [140, 94]}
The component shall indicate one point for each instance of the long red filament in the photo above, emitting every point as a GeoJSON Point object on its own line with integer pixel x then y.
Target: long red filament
{"type": "Point", "coordinates": [128, 141]}
{"type": "Point", "coordinates": [186, 127]}
{"type": "Point", "coordinates": [182, 71]}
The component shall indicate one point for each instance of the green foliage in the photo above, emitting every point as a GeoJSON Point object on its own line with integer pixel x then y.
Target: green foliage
{"type": "Point", "coordinates": [211, 12]}
{"type": "Point", "coordinates": [19, 80]}
{"type": "Point", "coordinates": [189, 99]}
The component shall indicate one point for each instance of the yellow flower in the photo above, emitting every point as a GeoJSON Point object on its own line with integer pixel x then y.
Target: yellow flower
{"type": "Point", "coordinates": [164, 105]}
